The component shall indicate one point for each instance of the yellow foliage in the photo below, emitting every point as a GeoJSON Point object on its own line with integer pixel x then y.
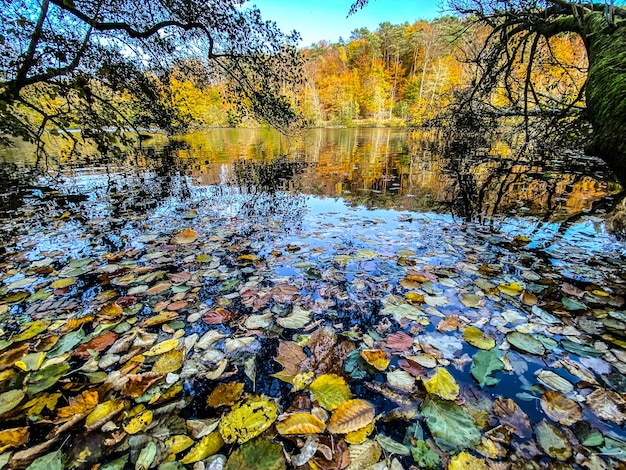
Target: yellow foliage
{"type": "Point", "coordinates": [442, 384]}
{"type": "Point", "coordinates": [330, 391]}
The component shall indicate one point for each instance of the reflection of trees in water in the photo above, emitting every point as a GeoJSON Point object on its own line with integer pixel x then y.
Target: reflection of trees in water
{"type": "Point", "coordinates": [490, 178]}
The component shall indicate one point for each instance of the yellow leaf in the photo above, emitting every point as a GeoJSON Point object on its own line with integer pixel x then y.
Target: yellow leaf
{"type": "Point", "coordinates": [364, 455]}
{"type": "Point", "coordinates": [248, 419]}
{"type": "Point", "coordinates": [300, 423]}
{"type": "Point", "coordinates": [139, 423]}
{"type": "Point", "coordinates": [31, 362]}
{"type": "Point", "coordinates": [463, 461]}
{"type": "Point", "coordinates": [41, 401]}
{"type": "Point", "coordinates": [178, 443]}
{"type": "Point", "coordinates": [414, 297]}
{"type": "Point", "coordinates": [442, 384]}
{"type": "Point", "coordinates": [350, 416]}
{"type": "Point", "coordinates": [78, 405]}
{"type": "Point", "coordinates": [360, 435]}
{"type": "Point", "coordinates": [158, 319]}
{"type": "Point", "coordinates": [330, 391]}
{"type": "Point", "coordinates": [208, 446]}
{"type": "Point", "coordinates": [478, 339]}
{"type": "Point", "coordinates": [162, 347]}
{"type": "Point", "coordinates": [15, 437]}
{"type": "Point", "coordinates": [225, 394]}
{"type": "Point", "coordinates": [171, 361]}
{"type": "Point", "coordinates": [63, 283]}
{"type": "Point", "coordinates": [513, 289]}
{"type": "Point", "coordinates": [375, 358]}
{"type": "Point", "coordinates": [185, 237]}
{"type": "Point", "coordinates": [111, 310]}
{"type": "Point", "coordinates": [103, 412]}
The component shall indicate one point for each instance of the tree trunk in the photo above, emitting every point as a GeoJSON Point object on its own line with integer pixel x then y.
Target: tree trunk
{"type": "Point", "coordinates": [606, 90]}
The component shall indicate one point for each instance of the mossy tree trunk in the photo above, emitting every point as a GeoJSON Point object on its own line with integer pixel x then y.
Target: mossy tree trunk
{"type": "Point", "coordinates": [606, 90]}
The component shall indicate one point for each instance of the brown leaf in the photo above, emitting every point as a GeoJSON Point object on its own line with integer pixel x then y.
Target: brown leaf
{"type": "Point", "coordinates": [338, 456]}
{"type": "Point", "coordinates": [608, 405]}
{"type": "Point", "coordinates": [412, 367]}
{"type": "Point", "coordinates": [291, 356]}
{"type": "Point", "coordinates": [225, 394]}
{"type": "Point", "coordinates": [512, 416]}
{"type": "Point", "coordinates": [450, 323]}
{"type": "Point", "coordinates": [12, 355]}
{"type": "Point", "coordinates": [217, 316]}
{"type": "Point", "coordinates": [284, 293]}
{"type": "Point", "coordinates": [99, 343]}
{"type": "Point", "coordinates": [79, 404]}
{"type": "Point", "coordinates": [157, 289]}
{"type": "Point", "coordinates": [399, 341]}
{"type": "Point", "coordinates": [326, 355]}
{"type": "Point", "coordinates": [177, 278]}
{"type": "Point", "coordinates": [174, 306]}
{"type": "Point", "coordinates": [561, 409]}
{"type": "Point", "coordinates": [139, 383]}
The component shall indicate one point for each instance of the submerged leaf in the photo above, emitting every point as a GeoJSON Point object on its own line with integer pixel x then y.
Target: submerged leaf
{"type": "Point", "coordinates": [552, 441]}
{"type": "Point", "coordinates": [484, 364]}
{"type": "Point", "coordinates": [525, 343]}
{"type": "Point", "coordinates": [225, 394]}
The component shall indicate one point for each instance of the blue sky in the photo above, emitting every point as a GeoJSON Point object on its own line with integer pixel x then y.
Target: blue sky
{"type": "Point", "coordinates": [326, 19]}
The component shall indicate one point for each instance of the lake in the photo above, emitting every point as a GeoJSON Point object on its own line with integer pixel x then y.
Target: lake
{"type": "Point", "coordinates": [473, 304]}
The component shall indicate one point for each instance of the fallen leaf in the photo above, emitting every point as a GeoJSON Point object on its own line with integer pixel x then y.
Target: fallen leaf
{"type": "Point", "coordinates": [80, 404]}
{"type": "Point", "coordinates": [300, 423]}
{"type": "Point", "coordinates": [560, 408]}
{"type": "Point", "coordinates": [330, 391]}
{"type": "Point", "coordinates": [248, 419]}
{"type": "Point", "coordinates": [608, 405]}
{"type": "Point", "coordinates": [185, 237]}
{"type": "Point", "coordinates": [375, 358]}
{"type": "Point", "coordinates": [442, 384]}
{"type": "Point", "coordinates": [350, 416]}
{"type": "Point", "coordinates": [225, 394]}
{"type": "Point", "coordinates": [259, 454]}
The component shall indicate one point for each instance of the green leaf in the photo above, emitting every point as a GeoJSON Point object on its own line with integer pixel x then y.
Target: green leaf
{"type": "Point", "coordinates": [572, 304]}
{"type": "Point", "coordinates": [67, 342]}
{"type": "Point", "coordinates": [391, 446]}
{"type": "Point", "coordinates": [580, 349]}
{"type": "Point", "coordinates": [424, 456]}
{"type": "Point", "coordinates": [330, 390]}
{"type": "Point", "coordinates": [450, 424]}
{"type": "Point", "coordinates": [146, 456]}
{"type": "Point", "coordinates": [484, 364]}
{"type": "Point", "coordinates": [51, 461]}
{"type": "Point", "coordinates": [552, 441]}
{"type": "Point", "coordinates": [42, 379]}
{"type": "Point", "coordinates": [260, 454]}
{"type": "Point", "coordinates": [10, 399]}
{"type": "Point", "coordinates": [117, 464]}
{"type": "Point", "coordinates": [525, 343]}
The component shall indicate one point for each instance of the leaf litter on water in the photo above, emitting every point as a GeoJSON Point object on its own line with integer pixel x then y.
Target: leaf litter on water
{"type": "Point", "coordinates": [305, 350]}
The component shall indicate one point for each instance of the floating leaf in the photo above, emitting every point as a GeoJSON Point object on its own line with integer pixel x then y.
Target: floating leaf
{"type": "Point", "coordinates": [171, 361]}
{"type": "Point", "coordinates": [375, 358]}
{"type": "Point", "coordinates": [581, 350]}
{"type": "Point", "coordinates": [32, 329]}
{"type": "Point", "coordinates": [42, 379]}
{"type": "Point", "coordinates": [146, 456]}
{"type": "Point", "coordinates": [513, 417]}
{"type": "Point", "coordinates": [554, 380]}
{"type": "Point", "coordinates": [78, 405]}
{"type": "Point", "coordinates": [608, 405]}
{"type": "Point", "coordinates": [225, 394]}
{"type": "Point", "coordinates": [260, 454]}
{"type": "Point", "coordinates": [51, 461]}
{"type": "Point", "coordinates": [248, 419]}
{"type": "Point", "coordinates": [31, 362]}
{"type": "Point", "coordinates": [401, 379]}
{"type": "Point", "coordinates": [209, 445]}
{"type": "Point", "coordinates": [573, 304]}
{"type": "Point", "coordinates": [484, 364]}
{"type": "Point", "coordinates": [300, 423]}
{"type": "Point", "coordinates": [139, 423]}
{"type": "Point", "coordinates": [63, 283]}
{"type": "Point", "coordinates": [450, 424]}
{"type": "Point", "coordinates": [525, 343]}
{"type": "Point", "coordinates": [185, 237]}
{"type": "Point", "coordinates": [513, 289]}
{"type": "Point", "coordinates": [424, 456]}
{"type": "Point", "coordinates": [104, 412]}
{"type": "Point", "coordinates": [178, 443]}
{"type": "Point", "coordinates": [478, 339]}
{"type": "Point", "coordinates": [364, 455]}
{"type": "Point", "coordinates": [330, 391]}
{"type": "Point", "coordinates": [162, 347]}
{"type": "Point", "coordinates": [552, 441]}
{"type": "Point", "coordinates": [350, 416]}
{"type": "Point", "coordinates": [298, 318]}
{"type": "Point", "coordinates": [464, 461]}
{"type": "Point", "coordinates": [399, 341]}
{"type": "Point", "coordinates": [391, 446]}
{"type": "Point", "coordinates": [561, 409]}
{"type": "Point", "coordinates": [15, 437]}
{"type": "Point", "coordinates": [442, 384]}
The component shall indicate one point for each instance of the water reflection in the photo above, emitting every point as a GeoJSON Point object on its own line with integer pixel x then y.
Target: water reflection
{"type": "Point", "coordinates": [375, 168]}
